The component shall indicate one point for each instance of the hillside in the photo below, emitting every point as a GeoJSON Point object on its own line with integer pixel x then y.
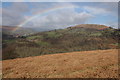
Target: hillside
{"type": "Point", "coordinates": [61, 41]}
{"type": "Point", "coordinates": [84, 64]}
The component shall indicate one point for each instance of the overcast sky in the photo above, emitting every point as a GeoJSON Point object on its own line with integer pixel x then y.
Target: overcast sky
{"type": "Point", "coordinates": [54, 15]}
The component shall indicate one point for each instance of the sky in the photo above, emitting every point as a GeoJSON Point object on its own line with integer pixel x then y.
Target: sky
{"type": "Point", "coordinates": [57, 15]}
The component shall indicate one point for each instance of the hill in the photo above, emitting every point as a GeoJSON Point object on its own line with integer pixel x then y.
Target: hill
{"type": "Point", "coordinates": [84, 64]}
{"type": "Point", "coordinates": [60, 41]}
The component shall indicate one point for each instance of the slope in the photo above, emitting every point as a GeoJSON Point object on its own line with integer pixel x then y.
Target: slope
{"type": "Point", "coordinates": [85, 64]}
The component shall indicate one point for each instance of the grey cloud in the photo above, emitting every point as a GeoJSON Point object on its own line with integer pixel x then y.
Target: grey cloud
{"type": "Point", "coordinates": [13, 15]}
{"type": "Point", "coordinates": [61, 19]}
{"type": "Point", "coordinates": [111, 7]}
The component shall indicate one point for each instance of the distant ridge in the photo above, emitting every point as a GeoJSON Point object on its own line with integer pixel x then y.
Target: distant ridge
{"type": "Point", "coordinates": [8, 28]}
{"type": "Point", "coordinates": [22, 30]}
{"type": "Point", "coordinates": [15, 30]}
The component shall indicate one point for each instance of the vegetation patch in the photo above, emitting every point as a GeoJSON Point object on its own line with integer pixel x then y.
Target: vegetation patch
{"type": "Point", "coordinates": [34, 37]}
{"type": "Point", "coordinates": [42, 43]}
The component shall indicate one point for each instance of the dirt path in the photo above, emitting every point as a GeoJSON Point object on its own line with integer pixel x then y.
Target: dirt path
{"type": "Point", "coordinates": [85, 64]}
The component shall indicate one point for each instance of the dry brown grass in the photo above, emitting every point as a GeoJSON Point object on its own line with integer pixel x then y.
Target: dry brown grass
{"type": "Point", "coordinates": [85, 64]}
{"type": "Point", "coordinates": [93, 26]}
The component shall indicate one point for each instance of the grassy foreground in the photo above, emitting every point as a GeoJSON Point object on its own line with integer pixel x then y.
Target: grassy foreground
{"type": "Point", "coordinates": [82, 64]}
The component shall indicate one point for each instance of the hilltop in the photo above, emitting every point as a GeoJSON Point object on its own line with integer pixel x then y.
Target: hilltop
{"type": "Point", "coordinates": [84, 64]}
{"type": "Point", "coordinates": [91, 26]}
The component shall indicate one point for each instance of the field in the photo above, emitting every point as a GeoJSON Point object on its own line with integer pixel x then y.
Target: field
{"type": "Point", "coordinates": [81, 64]}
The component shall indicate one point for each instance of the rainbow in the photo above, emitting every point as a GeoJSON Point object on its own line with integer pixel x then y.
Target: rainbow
{"type": "Point", "coordinates": [38, 14]}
